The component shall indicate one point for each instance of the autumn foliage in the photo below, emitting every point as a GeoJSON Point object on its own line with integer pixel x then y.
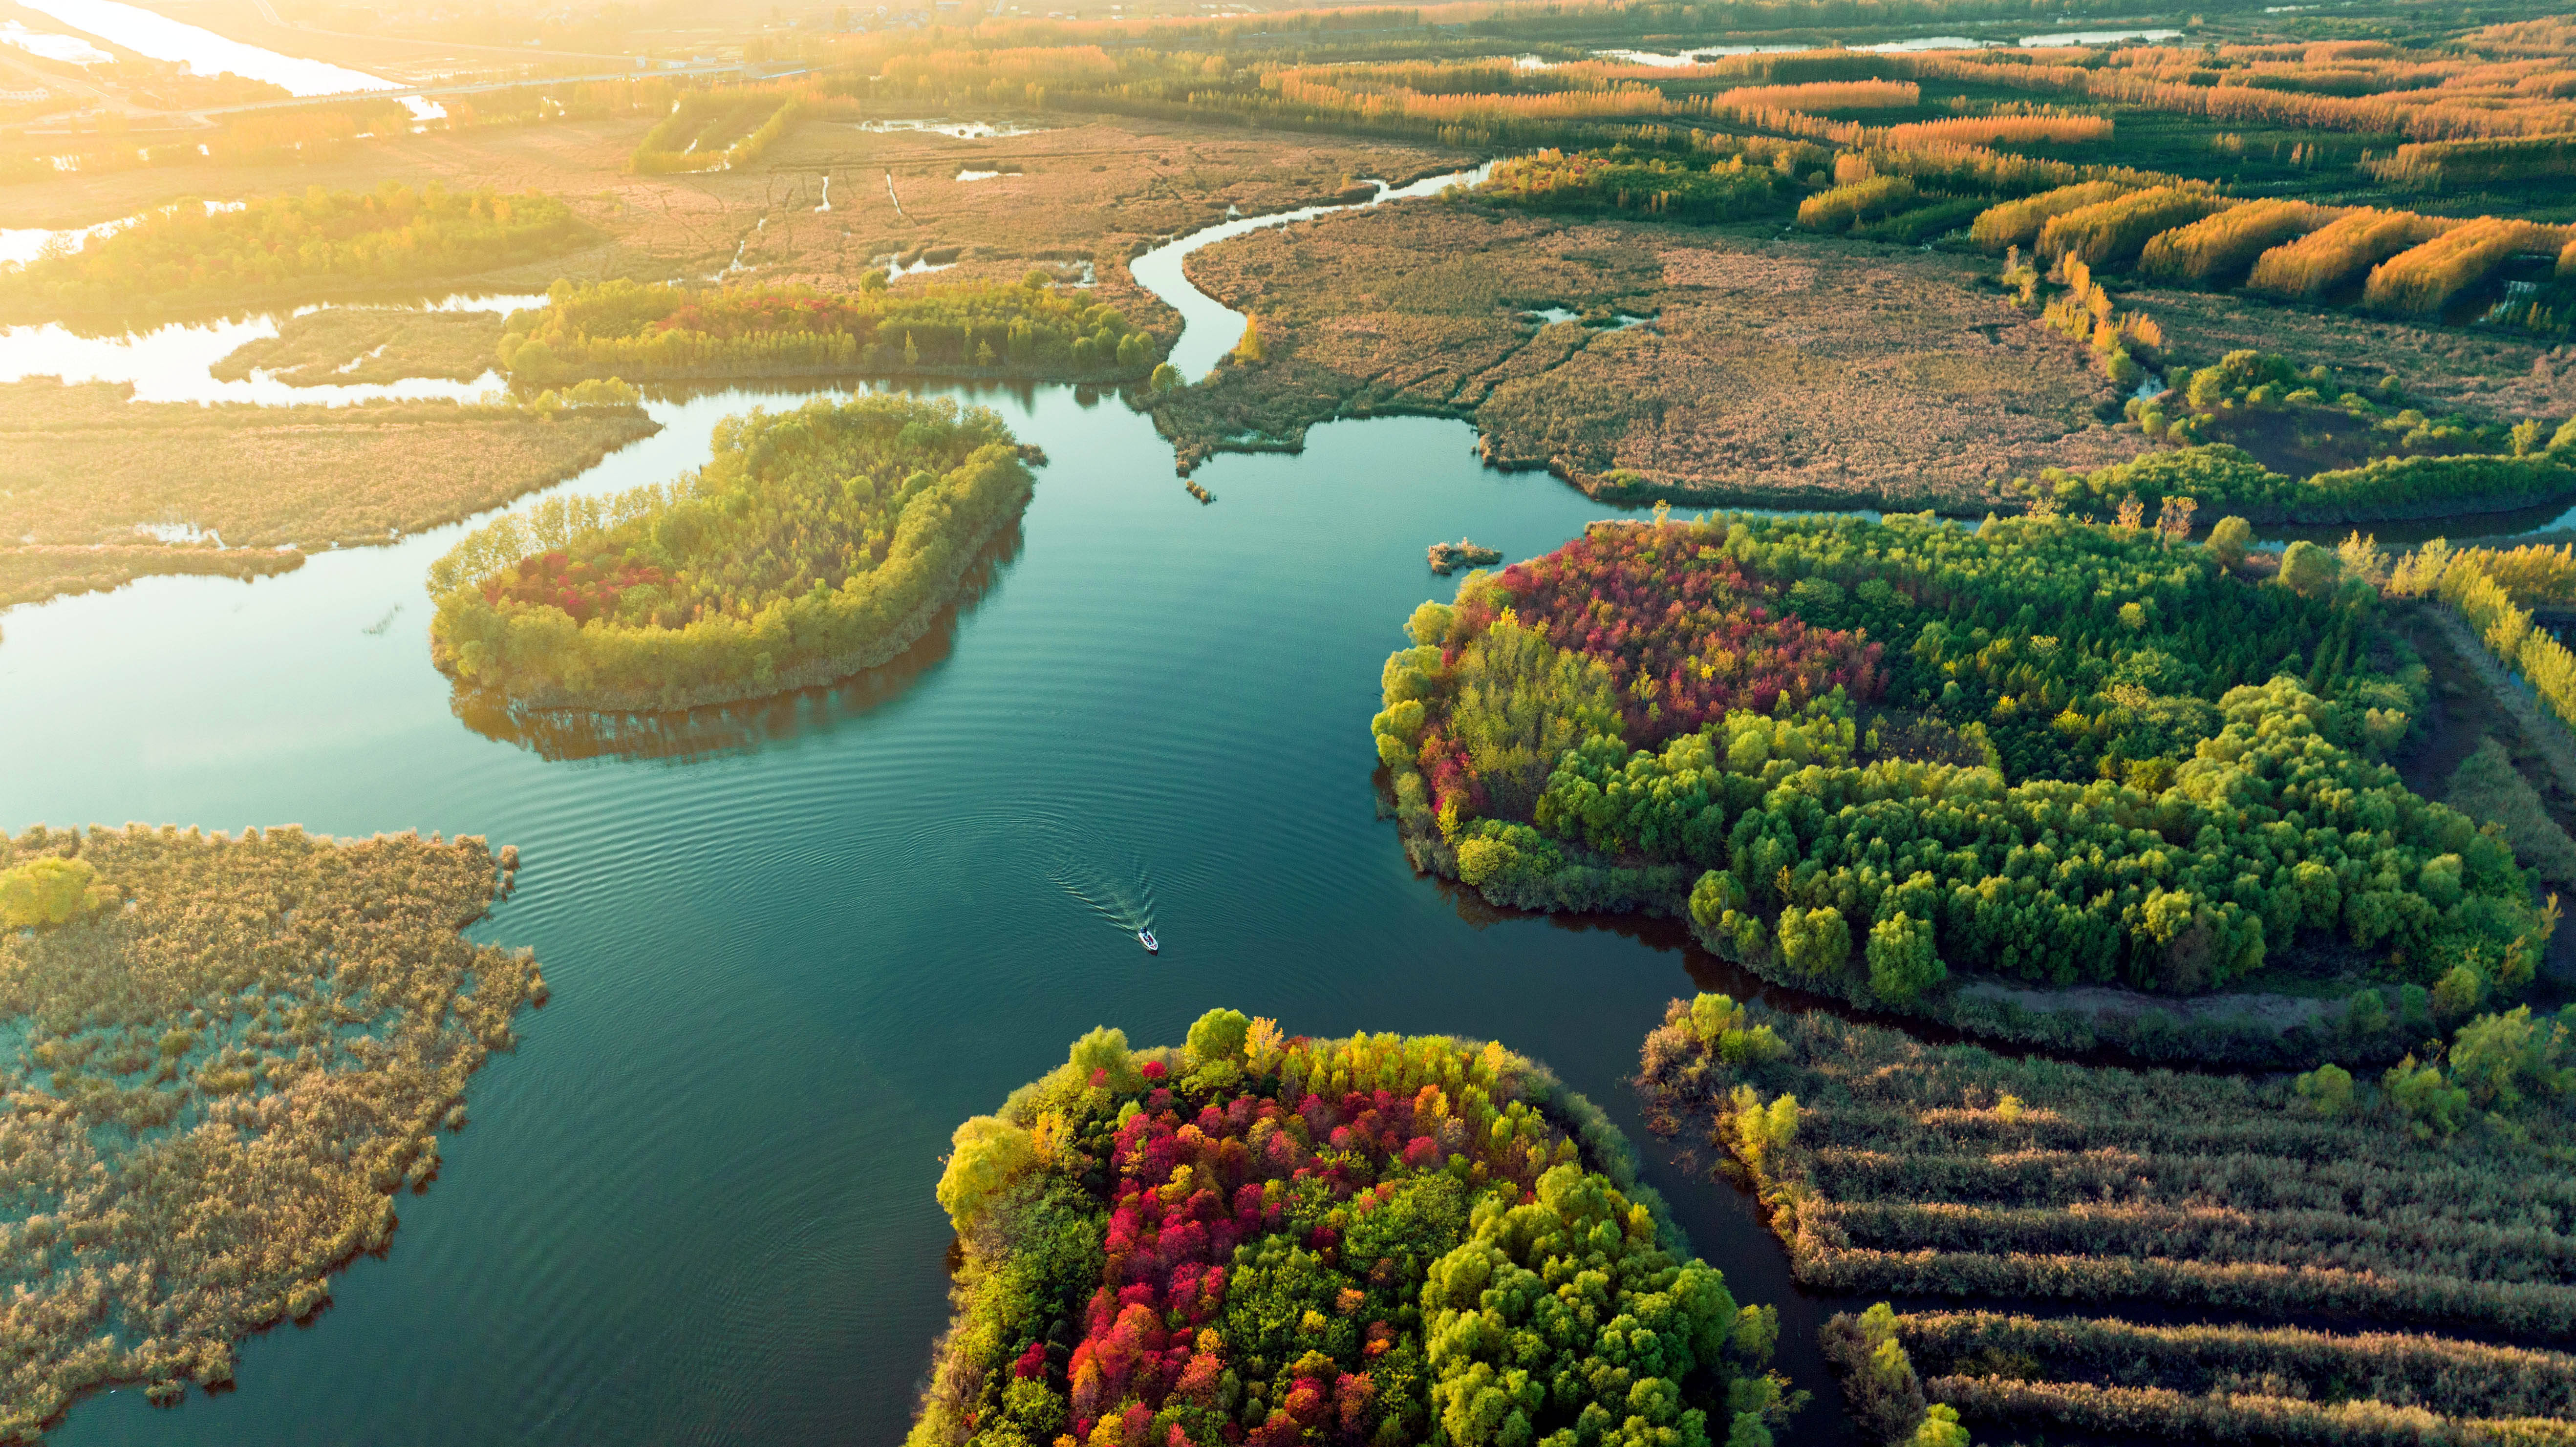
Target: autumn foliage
{"type": "Point", "coordinates": [1267, 1241]}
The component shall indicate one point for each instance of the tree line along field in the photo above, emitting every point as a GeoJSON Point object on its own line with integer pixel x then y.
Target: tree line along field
{"type": "Point", "coordinates": [86, 472]}
{"type": "Point", "coordinates": [2157, 1225]}
{"type": "Point", "coordinates": [232, 1056]}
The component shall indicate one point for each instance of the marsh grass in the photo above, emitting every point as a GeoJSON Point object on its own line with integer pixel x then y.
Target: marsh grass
{"type": "Point", "coordinates": [83, 471]}
{"type": "Point", "coordinates": [216, 1081]}
{"type": "Point", "coordinates": [344, 345]}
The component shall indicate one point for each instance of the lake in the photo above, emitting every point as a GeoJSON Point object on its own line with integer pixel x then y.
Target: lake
{"type": "Point", "coordinates": [793, 945]}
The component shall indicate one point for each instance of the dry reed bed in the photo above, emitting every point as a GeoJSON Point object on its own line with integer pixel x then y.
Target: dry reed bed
{"type": "Point", "coordinates": [225, 1070]}
{"type": "Point", "coordinates": [1810, 373]}
{"type": "Point", "coordinates": [342, 346]}
{"type": "Point", "coordinates": [80, 464]}
{"type": "Point", "coordinates": [1949, 1171]}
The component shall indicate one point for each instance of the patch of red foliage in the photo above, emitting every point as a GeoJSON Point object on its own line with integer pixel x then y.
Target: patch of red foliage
{"type": "Point", "coordinates": [1189, 1190]}
{"type": "Point", "coordinates": [1686, 632]}
{"type": "Point", "coordinates": [586, 590]}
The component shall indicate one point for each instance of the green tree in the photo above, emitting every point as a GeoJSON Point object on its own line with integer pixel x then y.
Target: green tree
{"type": "Point", "coordinates": [1515, 1360]}
{"type": "Point", "coordinates": [2327, 1090]}
{"type": "Point", "coordinates": [985, 1156]}
{"type": "Point", "coordinates": [1219, 1035]}
{"type": "Point", "coordinates": [2231, 539]}
{"type": "Point", "coordinates": [1902, 961]}
{"type": "Point", "coordinates": [2430, 1105]}
{"type": "Point", "coordinates": [2498, 1058]}
{"type": "Point", "coordinates": [2309, 569]}
{"type": "Point", "coordinates": [1814, 942]}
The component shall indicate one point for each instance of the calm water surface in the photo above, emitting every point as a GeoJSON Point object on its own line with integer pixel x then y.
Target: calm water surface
{"type": "Point", "coordinates": [696, 1205]}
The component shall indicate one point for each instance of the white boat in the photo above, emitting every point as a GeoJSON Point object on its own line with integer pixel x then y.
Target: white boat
{"type": "Point", "coordinates": [1145, 937]}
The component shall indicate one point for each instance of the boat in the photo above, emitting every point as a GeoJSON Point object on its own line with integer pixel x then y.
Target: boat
{"type": "Point", "coordinates": [1145, 937]}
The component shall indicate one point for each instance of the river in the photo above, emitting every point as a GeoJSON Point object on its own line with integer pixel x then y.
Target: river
{"type": "Point", "coordinates": [793, 945]}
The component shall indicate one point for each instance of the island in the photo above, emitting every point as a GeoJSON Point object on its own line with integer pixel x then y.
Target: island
{"type": "Point", "coordinates": [233, 1056]}
{"type": "Point", "coordinates": [815, 543]}
{"type": "Point", "coordinates": [1031, 328]}
{"type": "Point", "coordinates": [1386, 1239]}
{"type": "Point", "coordinates": [1962, 772]}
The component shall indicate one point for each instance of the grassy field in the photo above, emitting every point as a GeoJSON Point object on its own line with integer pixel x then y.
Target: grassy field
{"type": "Point", "coordinates": [1918, 1169]}
{"type": "Point", "coordinates": [81, 466]}
{"type": "Point", "coordinates": [1095, 191]}
{"type": "Point", "coordinates": [1763, 371]}
{"type": "Point", "coordinates": [2487, 373]}
{"type": "Point", "coordinates": [348, 345]}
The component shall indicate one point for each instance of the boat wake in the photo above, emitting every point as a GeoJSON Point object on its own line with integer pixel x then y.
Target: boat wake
{"type": "Point", "coordinates": [1111, 881]}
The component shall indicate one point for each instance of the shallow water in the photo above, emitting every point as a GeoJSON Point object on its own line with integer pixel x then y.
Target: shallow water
{"type": "Point", "coordinates": [173, 363]}
{"type": "Point", "coordinates": [70, 49]}
{"type": "Point", "coordinates": [202, 50]}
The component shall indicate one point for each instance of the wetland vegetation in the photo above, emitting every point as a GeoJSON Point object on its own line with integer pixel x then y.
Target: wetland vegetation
{"type": "Point", "coordinates": [96, 489]}
{"type": "Point", "coordinates": [2096, 781]}
{"type": "Point", "coordinates": [816, 542]}
{"type": "Point", "coordinates": [1846, 752]}
{"type": "Point", "coordinates": [228, 1059]}
{"type": "Point", "coordinates": [2428, 1197]}
{"type": "Point", "coordinates": [286, 249]}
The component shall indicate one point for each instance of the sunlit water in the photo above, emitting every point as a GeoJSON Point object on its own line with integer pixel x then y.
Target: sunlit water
{"type": "Point", "coordinates": [792, 944]}
{"type": "Point", "coordinates": [202, 50]}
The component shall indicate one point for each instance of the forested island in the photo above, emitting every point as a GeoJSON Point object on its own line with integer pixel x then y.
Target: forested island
{"type": "Point", "coordinates": [1255, 1238]}
{"type": "Point", "coordinates": [1031, 328]}
{"type": "Point", "coordinates": [1847, 751]}
{"type": "Point", "coordinates": [815, 543]}
{"type": "Point", "coordinates": [2410, 1200]}
{"type": "Point", "coordinates": [230, 1057]}
{"type": "Point", "coordinates": [290, 248]}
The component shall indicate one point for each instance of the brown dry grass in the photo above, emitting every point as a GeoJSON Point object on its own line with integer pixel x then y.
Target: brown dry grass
{"type": "Point", "coordinates": [385, 344]}
{"type": "Point", "coordinates": [218, 1081]}
{"type": "Point", "coordinates": [2484, 373]}
{"type": "Point", "coordinates": [82, 465]}
{"type": "Point", "coordinates": [1097, 191]}
{"type": "Point", "coordinates": [1786, 373]}
{"type": "Point", "coordinates": [34, 574]}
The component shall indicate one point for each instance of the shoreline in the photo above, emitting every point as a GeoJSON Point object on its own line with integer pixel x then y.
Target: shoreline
{"type": "Point", "coordinates": [813, 673]}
